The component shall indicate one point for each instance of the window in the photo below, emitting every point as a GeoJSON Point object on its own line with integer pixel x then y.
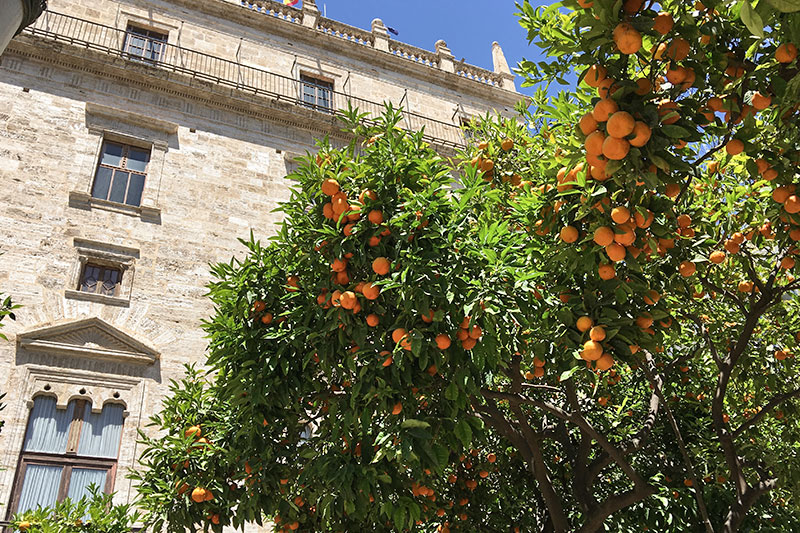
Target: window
{"type": "Point", "coordinates": [65, 451]}
{"type": "Point", "coordinates": [144, 44]}
{"type": "Point", "coordinates": [317, 93]}
{"type": "Point", "coordinates": [120, 173]}
{"type": "Point", "coordinates": [100, 279]}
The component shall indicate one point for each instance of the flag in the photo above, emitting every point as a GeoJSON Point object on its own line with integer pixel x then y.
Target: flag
{"type": "Point", "coordinates": [392, 30]}
{"type": "Point", "coordinates": [290, 2]}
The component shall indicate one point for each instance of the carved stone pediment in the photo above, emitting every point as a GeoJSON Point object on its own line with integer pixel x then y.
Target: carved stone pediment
{"type": "Point", "coordinates": [90, 338]}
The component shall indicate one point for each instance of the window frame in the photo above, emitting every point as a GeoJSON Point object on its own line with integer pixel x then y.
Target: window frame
{"type": "Point", "coordinates": [68, 460]}
{"type": "Point", "coordinates": [126, 148]}
{"type": "Point", "coordinates": [319, 86]}
{"type": "Point", "coordinates": [103, 268]}
{"type": "Point", "coordinates": [151, 37]}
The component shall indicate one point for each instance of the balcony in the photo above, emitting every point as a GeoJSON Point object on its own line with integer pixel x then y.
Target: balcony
{"type": "Point", "coordinates": [152, 53]}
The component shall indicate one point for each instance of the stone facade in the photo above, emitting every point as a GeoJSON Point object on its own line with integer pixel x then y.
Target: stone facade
{"type": "Point", "coordinates": [220, 110]}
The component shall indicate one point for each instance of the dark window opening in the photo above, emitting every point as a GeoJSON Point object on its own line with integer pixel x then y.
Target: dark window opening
{"type": "Point", "coordinates": [316, 93]}
{"type": "Point", "coordinates": [120, 173]}
{"type": "Point", "coordinates": [144, 44]}
{"type": "Point", "coordinates": [99, 279]}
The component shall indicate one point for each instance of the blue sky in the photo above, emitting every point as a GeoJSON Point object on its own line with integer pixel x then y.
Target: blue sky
{"type": "Point", "coordinates": [468, 26]}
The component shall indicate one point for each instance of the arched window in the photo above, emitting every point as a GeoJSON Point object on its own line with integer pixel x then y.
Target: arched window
{"type": "Point", "coordinates": [65, 452]}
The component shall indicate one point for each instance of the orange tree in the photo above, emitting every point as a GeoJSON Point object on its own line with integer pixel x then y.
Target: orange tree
{"type": "Point", "coordinates": [586, 325]}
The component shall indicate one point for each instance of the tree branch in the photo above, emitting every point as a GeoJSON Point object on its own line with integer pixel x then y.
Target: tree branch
{"type": "Point", "coordinates": [776, 401]}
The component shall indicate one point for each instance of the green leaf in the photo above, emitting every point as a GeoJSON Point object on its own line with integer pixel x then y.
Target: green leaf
{"type": "Point", "coordinates": [785, 6]}
{"type": "Point", "coordinates": [464, 432]}
{"type": "Point", "coordinates": [414, 423]}
{"type": "Point", "coordinates": [751, 19]}
{"type": "Point", "coordinates": [568, 373]}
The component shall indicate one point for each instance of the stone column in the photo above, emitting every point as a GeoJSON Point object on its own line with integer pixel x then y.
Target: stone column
{"type": "Point", "coordinates": [380, 36]}
{"type": "Point", "coordinates": [446, 59]}
{"type": "Point", "coordinates": [501, 68]}
{"type": "Point", "coordinates": [310, 14]}
{"type": "Point", "coordinates": [15, 15]}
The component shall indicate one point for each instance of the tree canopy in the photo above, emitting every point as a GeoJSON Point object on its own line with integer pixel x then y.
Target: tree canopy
{"type": "Point", "coordinates": [586, 321]}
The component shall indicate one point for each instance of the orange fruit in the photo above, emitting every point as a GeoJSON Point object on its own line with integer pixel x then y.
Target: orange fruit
{"type": "Point", "coordinates": [595, 75]}
{"type": "Point", "coordinates": [652, 297]}
{"type": "Point", "coordinates": [330, 187]}
{"type": "Point", "coordinates": [597, 333]}
{"type": "Point", "coordinates": [616, 252]}
{"type": "Point", "coordinates": [603, 236]}
{"type": "Point", "coordinates": [642, 133]}
{"type": "Point", "coordinates": [327, 211]}
{"type": "Point", "coordinates": [587, 124]}
{"type": "Point", "coordinates": [787, 263]}
{"type": "Point", "coordinates": [397, 409]}
{"type": "Point", "coordinates": [632, 6]}
{"type": "Point", "coordinates": [607, 272]}
{"type": "Point", "coordinates": [668, 112]}
{"type": "Point", "coordinates": [676, 75]}
{"type": "Point", "coordinates": [734, 147]}
{"type": "Point", "coordinates": [199, 494]}
{"type": "Point", "coordinates": [678, 49]}
{"type": "Point", "coordinates": [620, 124]}
{"type": "Point", "coordinates": [267, 318]}
{"type": "Point", "coordinates": [627, 39]}
{"type": "Point", "coordinates": [373, 320]}
{"type": "Point", "coordinates": [643, 86]}
{"type": "Point", "coordinates": [338, 265]}
{"type": "Point", "coordinates": [792, 204]}
{"type": "Point", "coordinates": [468, 343]}
{"type": "Point", "coordinates": [375, 216]}
{"type": "Point", "coordinates": [687, 268]}
{"type": "Point", "coordinates": [672, 190]}
{"type": "Point", "coordinates": [604, 363]}
{"type": "Point", "coordinates": [644, 321]}
{"type": "Point", "coordinates": [348, 300]}
{"type": "Point", "coordinates": [592, 350]}
{"type": "Point", "coordinates": [475, 332]}
{"type": "Point", "coordinates": [442, 341]}
{"type": "Point", "coordinates": [786, 53]}
{"type": "Point", "coordinates": [620, 214]}
{"type": "Point", "coordinates": [569, 234]}
{"type": "Point", "coordinates": [584, 323]}
{"type": "Point", "coordinates": [745, 286]}
{"type": "Point", "coordinates": [381, 266]}
{"type": "Point", "coordinates": [616, 149]}
{"type": "Point", "coordinates": [761, 101]}
{"type": "Point", "coordinates": [717, 257]}
{"type": "Point", "coordinates": [781, 194]}
{"type": "Point", "coordinates": [642, 221]}
{"type": "Point", "coordinates": [663, 23]}
{"type": "Point", "coordinates": [594, 143]}
{"type": "Point", "coordinates": [604, 109]}
{"type": "Point", "coordinates": [370, 291]}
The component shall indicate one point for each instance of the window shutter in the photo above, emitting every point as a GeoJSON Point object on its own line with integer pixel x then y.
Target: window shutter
{"type": "Point", "coordinates": [101, 432]}
{"type": "Point", "coordinates": [48, 427]}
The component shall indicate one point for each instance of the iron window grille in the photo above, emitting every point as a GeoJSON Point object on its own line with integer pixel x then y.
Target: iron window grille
{"type": "Point", "coordinates": [120, 174]}
{"type": "Point", "coordinates": [146, 45]}
{"type": "Point", "coordinates": [316, 93]}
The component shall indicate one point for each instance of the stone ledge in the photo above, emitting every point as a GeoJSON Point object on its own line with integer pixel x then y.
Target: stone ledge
{"type": "Point", "coordinates": [84, 200]}
{"type": "Point", "coordinates": [96, 298]}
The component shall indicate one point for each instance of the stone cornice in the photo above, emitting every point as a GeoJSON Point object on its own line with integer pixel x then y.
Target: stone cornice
{"type": "Point", "coordinates": [338, 46]}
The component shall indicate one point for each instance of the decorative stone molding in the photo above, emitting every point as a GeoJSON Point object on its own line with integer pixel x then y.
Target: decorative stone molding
{"type": "Point", "coordinates": [121, 257]}
{"type": "Point", "coordinates": [380, 36]}
{"type": "Point", "coordinates": [446, 58]}
{"type": "Point", "coordinates": [310, 14]}
{"type": "Point", "coordinates": [89, 338]}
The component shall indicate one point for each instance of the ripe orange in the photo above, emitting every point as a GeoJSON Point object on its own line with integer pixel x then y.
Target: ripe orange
{"type": "Point", "coordinates": [787, 263]}
{"type": "Point", "coordinates": [475, 332]}
{"type": "Point", "coordinates": [620, 214]}
{"type": "Point", "coordinates": [594, 143]}
{"type": "Point", "coordinates": [676, 75]}
{"type": "Point", "coordinates": [616, 149]}
{"type": "Point", "coordinates": [381, 266]}
{"type": "Point", "coordinates": [587, 124]}
{"type": "Point", "coordinates": [468, 343]}
{"type": "Point", "coordinates": [397, 409]}
{"type": "Point", "coordinates": [569, 234]}
{"type": "Point", "coordinates": [371, 291]}
{"type": "Point", "coordinates": [338, 265]}
{"type": "Point", "coordinates": [668, 112]}
{"type": "Point", "coordinates": [643, 86]}
{"type": "Point", "coordinates": [442, 341]}
{"type": "Point", "coordinates": [616, 252]}
{"type": "Point", "coordinates": [717, 257]}
{"type": "Point", "coordinates": [603, 236]}
{"type": "Point", "coordinates": [597, 333]}
{"type": "Point", "coordinates": [604, 109]}
{"type": "Point", "coordinates": [672, 190]}
{"type": "Point", "coordinates": [734, 147]}
{"type": "Point", "coordinates": [620, 124]}
{"type": "Point", "coordinates": [644, 321]}
{"type": "Point", "coordinates": [678, 49]}
{"type": "Point", "coordinates": [199, 494]}
{"type": "Point", "coordinates": [595, 75]}
{"type": "Point", "coordinates": [792, 204]}
{"type": "Point", "coordinates": [366, 193]}
{"type": "Point", "coordinates": [330, 187]}
{"type": "Point", "coordinates": [327, 211]}
{"type": "Point", "coordinates": [194, 431]}
{"type": "Point", "coordinates": [605, 362]}
{"type": "Point", "coordinates": [687, 268]}
{"type": "Point", "coordinates": [607, 272]}
{"type": "Point", "coordinates": [642, 133]}
{"type": "Point", "coordinates": [584, 323]}
{"type": "Point", "coordinates": [663, 23]}
{"type": "Point", "coordinates": [592, 350]}
{"type": "Point", "coordinates": [373, 320]}
{"type": "Point", "coordinates": [761, 101]}
{"type": "Point", "coordinates": [375, 216]}
{"type": "Point", "coordinates": [745, 286]}
{"type": "Point", "coordinates": [652, 297]}
{"type": "Point", "coordinates": [632, 6]}
{"type": "Point", "coordinates": [786, 53]}
{"type": "Point", "coordinates": [642, 221]}
{"type": "Point", "coordinates": [507, 144]}
{"type": "Point", "coordinates": [627, 39]}
{"type": "Point", "coordinates": [348, 300]}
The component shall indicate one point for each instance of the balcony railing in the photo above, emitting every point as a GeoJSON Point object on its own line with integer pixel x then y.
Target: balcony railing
{"type": "Point", "coordinates": [81, 33]}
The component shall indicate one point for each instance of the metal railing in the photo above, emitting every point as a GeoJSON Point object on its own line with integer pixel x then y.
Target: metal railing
{"type": "Point", "coordinates": [81, 33]}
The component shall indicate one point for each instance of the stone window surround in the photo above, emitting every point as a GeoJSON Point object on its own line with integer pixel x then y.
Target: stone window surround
{"type": "Point", "coordinates": [112, 255]}
{"type": "Point", "coordinates": [314, 69]}
{"type": "Point", "coordinates": [145, 22]}
{"type": "Point", "coordinates": [108, 123]}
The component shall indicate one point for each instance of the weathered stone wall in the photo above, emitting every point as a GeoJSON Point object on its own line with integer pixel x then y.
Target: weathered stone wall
{"type": "Point", "coordinates": [219, 157]}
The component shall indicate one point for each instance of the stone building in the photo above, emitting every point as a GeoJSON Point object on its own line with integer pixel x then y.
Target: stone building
{"type": "Point", "coordinates": [139, 139]}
